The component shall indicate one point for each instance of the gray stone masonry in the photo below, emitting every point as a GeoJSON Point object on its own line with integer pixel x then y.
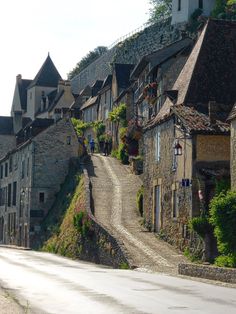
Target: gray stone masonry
{"type": "Point", "coordinates": [208, 272]}
{"type": "Point", "coordinates": [129, 51]}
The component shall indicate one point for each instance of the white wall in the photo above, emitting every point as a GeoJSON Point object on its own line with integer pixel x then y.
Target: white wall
{"type": "Point", "coordinates": [188, 7]}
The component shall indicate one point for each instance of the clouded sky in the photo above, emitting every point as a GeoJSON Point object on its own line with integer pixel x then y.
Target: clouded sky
{"type": "Point", "coordinates": [68, 29]}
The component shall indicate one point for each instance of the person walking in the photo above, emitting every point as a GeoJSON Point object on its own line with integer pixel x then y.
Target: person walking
{"type": "Point", "coordinates": [92, 146]}
{"type": "Point", "coordinates": [106, 147]}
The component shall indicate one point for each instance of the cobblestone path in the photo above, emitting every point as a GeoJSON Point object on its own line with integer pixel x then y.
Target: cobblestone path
{"type": "Point", "coordinates": [114, 191]}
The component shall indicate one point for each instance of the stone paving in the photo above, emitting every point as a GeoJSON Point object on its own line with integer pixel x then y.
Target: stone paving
{"type": "Point", "coordinates": [8, 305]}
{"type": "Point", "coordinates": [114, 190]}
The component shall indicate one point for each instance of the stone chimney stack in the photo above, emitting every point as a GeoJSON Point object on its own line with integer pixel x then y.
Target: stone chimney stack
{"type": "Point", "coordinates": [19, 78]}
{"type": "Point", "coordinates": [60, 86]}
{"type": "Point", "coordinates": [212, 109]}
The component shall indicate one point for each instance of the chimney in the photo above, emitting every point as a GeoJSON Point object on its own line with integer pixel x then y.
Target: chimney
{"type": "Point", "coordinates": [18, 78]}
{"type": "Point", "coordinates": [60, 86]}
{"type": "Point", "coordinates": [212, 109]}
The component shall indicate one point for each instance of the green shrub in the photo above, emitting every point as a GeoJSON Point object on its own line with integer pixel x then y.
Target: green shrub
{"type": "Point", "coordinates": [139, 200]}
{"type": "Point", "coordinates": [114, 153]}
{"type": "Point", "coordinates": [222, 185]}
{"type": "Point", "coordinates": [223, 218]}
{"type": "Point", "coordinates": [82, 223]}
{"type": "Point", "coordinates": [200, 225]}
{"type": "Point", "coordinates": [122, 154]}
{"type": "Point", "coordinates": [226, 260]}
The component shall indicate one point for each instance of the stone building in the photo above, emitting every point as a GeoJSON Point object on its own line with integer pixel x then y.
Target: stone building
{"type": "Point", "coordinates": [183, 9]}
{"type": "Point", "coordinates": [155, 74]}
{"type": "Point", "coordinates": [187, 144]}
{"type": "Point", "coordinates": [30, 177]}
{"type": "Point", "coordinates": [232, 121]}
{"type": "Point", "coordinates": [42, 96]}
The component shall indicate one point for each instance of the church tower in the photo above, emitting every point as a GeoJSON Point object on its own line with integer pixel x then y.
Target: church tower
{"type": "Point", "coordinates": [183, 9]}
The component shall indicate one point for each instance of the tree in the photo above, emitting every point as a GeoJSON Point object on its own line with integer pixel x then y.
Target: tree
{"type": "Point", "coordinates": [87, 60]}
{"type": "Point", "coordinates": [160, 9]}
{"type": "Point", "coordinates": [224, 9]}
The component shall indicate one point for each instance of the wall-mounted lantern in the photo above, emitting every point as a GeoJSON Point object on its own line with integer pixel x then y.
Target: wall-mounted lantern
{"type": "Point", "coordinates": [178, 149]}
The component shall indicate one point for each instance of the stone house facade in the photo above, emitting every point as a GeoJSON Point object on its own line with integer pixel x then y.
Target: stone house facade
{"type": "Point", "coordinates": [155, 74]}
{"type": "Point", "coordinates": [31, 175]}
{"type": "Point", "coordinates": [187, 144]}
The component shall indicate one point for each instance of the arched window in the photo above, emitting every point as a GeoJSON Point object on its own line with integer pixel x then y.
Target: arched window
{"type": "Point", "coordinates": [200, 4]}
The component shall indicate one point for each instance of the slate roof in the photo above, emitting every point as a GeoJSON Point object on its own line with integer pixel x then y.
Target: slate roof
{"type": "Point", "coordinates": [48, 76]}
{"type": "Point", "coordinates": [32, 129]}
{"type": "Point", "coordinates": [90, 102]}
{"type": "Point", "coordinates": [160, 56]}
{"type": "Point", "coordinates": [122, 72]}
{"type": "Point", "coordinates": [210, 71]}
{"type": "Point", "coordinates": [106, 83]}
{"type": "Point", "coordinates": [197, 122]}
{"type": "Point", "coordinates": [6, 125]}
{"type": "Point", "coordinates": [22, 87]}
{"type": "Point", "coordinates": [96, 87]}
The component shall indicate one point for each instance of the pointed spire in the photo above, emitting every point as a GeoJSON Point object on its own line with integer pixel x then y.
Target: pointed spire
{"type": "Point", "coordinates": [48, 76]}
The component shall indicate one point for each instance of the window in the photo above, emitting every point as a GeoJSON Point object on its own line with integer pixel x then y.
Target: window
{"type": "Point", "coordinates": [200, 4]}
{"type": "Point", "coordinates": [9, 196]}
{"type": "Point", "coordinates": [157, 144]}
{"type": "Point", "coordinates": [27, 168]}
{"type": "Point", "coordinates": [6, 169]}
{"type": "Point", "coordinates": [14, 194]}
{"type": "Point", "coordinates": [68, 140]}
{"type": "Point", "coordinates": [1, 175]}
{"type": "Point", "coordinates": [179, 5]}
{"type": "Point", "coordinates": [22, 169]}
{"type": "Point", "coordinates": [41, 197]}
{"type": "Point", "coordinates": [10, 164]}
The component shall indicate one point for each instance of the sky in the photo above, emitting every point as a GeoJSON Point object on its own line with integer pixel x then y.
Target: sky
{"type": "Point", "coordinates": [67, 29]}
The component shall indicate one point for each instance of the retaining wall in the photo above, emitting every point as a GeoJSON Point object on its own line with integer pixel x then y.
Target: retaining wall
{"type": "Point", "coordinates": [208, 272]}
{"type": "Point", "coordinates": [103, 248]}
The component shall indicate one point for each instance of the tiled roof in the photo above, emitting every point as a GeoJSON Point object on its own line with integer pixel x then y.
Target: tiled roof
{"type": "Point", "coordinates": [197, 122]}
{"type": "Point", "coordinates": [90, 102]}
{"type": "Point", "coordinates": [210, 71]}
{"type": "Point", "coordinates": [161, 55]}
{"type": "Point", "coordinates": [122, 72]}
{"type": "Point", "coordinates": [48, 76]}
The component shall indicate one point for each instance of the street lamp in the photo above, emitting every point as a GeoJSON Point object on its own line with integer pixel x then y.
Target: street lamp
{"type": "Point", "coordinates": [178, 149]}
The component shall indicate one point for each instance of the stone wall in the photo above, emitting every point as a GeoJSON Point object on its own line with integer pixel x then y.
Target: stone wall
{"type": "Point", "coordinates": [7, 143]}
{"type": "Point", "coordinates": [103, 248]}
{"type": "Point", "coordinates": [129, 51]}
{"type": "Point", "coordinates": [233, 155]}
{"type": "Point", "coordinates": [213, 147]}
{"type": "Point", "coordinates": [163, 173]}
{"type": "Point", "coordinates": [208, 272]}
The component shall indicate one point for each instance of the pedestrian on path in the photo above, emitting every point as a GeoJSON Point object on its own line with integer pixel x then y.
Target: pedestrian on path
{"type": "Point", "coordinates": [92, 145]}
{"type": "Point", "coordinates": [106, 147]}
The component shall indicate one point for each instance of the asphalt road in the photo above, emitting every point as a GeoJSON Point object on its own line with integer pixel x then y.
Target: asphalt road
{"type": "Point", "coordinates": [45, 283]}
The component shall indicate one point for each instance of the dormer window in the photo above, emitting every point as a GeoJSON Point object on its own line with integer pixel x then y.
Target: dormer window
{"type": "Point", "coordinates": [179, 5]}
{"type": "Point", "coordinates": [200, 4]}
